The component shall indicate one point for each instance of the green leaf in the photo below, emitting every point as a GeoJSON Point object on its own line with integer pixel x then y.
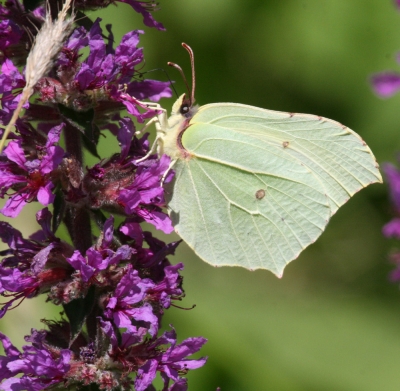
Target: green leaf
{"type": "Point", "coordinates": [77, 312]}
{"type": "Point", "coordinates": [58, 209]}
{"type": "Point", "coordinates": [91, 138]}
{"type": "Point", "coordinates": [84, 122]}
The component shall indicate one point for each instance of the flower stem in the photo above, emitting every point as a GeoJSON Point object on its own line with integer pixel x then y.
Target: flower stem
{"type": "Point", "coordinates": [77, 219]}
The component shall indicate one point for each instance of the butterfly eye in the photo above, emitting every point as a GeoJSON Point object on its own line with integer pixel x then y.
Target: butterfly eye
{"type": "Point", "coordinates": [184, 108]}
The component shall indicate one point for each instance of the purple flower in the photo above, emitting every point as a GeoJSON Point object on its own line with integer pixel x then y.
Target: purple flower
{"type": "Point", "coordinates": [394, 275]}
{"type": "Point", "coordinates": [393, 178]}
{"type": "Point", "coordinates": [40, 367]}
{"type": "Point", "coordinates": [70, 53]}
{"type": "Point", "coordinates": [169, 288]}
{"type": "Point", "coordinates": [106, 79]}
{"type": "Point", "coordinates": [8, 104]}
{"type": "Point", "coordinates": [99, 257]}
{"type": "Point", "coordinates": [146, 190]}
{"type": "Point", "coordinates": [392, 229]}
{"type": "Point", "coordinates": [11, 354]}
{"type": "Point", "coordinates": [31, 179]}
{"type": "Point", "coordinates": [171, 363]}
{"type": "Point", "coordinates": [10, 36]}
{"type": "Point", "coordinates": [174, 362]}
{"type": "Point", "coordinates": [148, 357]}
{"type": "Point", "coordinates": [180, 385]}
{"type": "Point", "coordinates": [11, 84]}
{"type": "Point", "coordinates": [31, 265]}
{"type": "Point", "coordinates": [125, 304]}
{"type": "Point", "coordinates": [386, 84]}
{"type": "Point", "coordinates": [121, 186]}
{"type": "Point", "coordinates": [157, 251]}
{"type": "Point", "coordinates": [10, 78]}
{"type": "Point", "coordinates": [145, 8]}
{"type": "Point", "coordinates": [17, 28]}
{"type": "Point", "coordinates": [97, 260]}
{"type": "Point", "coordinates": [12, 280]}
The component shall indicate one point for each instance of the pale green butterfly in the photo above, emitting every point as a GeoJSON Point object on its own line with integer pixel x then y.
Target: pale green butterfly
{"type": "Point", "coordinates": [255, 187]}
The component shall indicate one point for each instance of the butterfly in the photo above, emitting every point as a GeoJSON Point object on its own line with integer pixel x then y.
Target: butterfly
{"type": "Point", "coordinates": [254, 187]}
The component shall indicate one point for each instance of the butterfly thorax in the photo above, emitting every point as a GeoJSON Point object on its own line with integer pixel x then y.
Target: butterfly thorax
{"type": "Point", "coordinates": [178, 122]}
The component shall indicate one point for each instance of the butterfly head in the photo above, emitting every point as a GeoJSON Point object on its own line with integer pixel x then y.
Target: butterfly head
{"type": "Point", "coordinates": [184, 107]}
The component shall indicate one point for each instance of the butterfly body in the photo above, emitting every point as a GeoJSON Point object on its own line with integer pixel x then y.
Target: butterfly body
{"type": "Point", "coordinates": [177, 123]}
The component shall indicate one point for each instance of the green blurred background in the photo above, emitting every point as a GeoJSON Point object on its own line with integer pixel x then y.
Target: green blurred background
{"type": "Point", "coordinates": [333, 321]}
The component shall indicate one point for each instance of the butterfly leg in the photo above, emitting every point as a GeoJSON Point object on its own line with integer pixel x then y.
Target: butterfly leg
{"type": "Point", "coordinates": [161, 117]}
{"type": "Point", "coordinates": [167, 171]}
{"type": "Point", "coordinates": [145, 127]}
{"type": "Point", "coordinates": [161, 122]}
{"type": "Point", "coordinates": [151, 151]}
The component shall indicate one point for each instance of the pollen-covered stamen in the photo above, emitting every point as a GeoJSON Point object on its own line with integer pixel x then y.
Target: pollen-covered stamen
{"type": "Point", "coordinates": [18, 297]}
{"type": "Point", "coordinates": [28, 193]}
{"type": "Point", "coordinates": [36, 180]}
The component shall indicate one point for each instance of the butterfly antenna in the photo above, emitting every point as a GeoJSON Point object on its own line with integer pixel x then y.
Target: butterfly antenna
{"type": "Point", "coordinates": [176, 66]}
{"type": "Point", "coordinates": [166, 74]}
{"type": "Point", "coordinates": [190, 51]}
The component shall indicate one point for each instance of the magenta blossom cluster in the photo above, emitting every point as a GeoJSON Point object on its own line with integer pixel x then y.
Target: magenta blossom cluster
{"type": "Point", "coordinates": [112, 278]}
{"type": "Point", "coordinates": [386, 84]}
{"type": "Point", "coordinates": [133, 285]}
{"type": "Point", "coordinates": [392, 229]}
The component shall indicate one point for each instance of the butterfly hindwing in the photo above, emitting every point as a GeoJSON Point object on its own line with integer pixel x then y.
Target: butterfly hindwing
{"type": "Point", "coordinates": [240, 201]}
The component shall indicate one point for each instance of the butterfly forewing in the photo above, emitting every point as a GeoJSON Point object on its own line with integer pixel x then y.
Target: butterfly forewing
{"type": "Point", "coordinates": [335, 154]}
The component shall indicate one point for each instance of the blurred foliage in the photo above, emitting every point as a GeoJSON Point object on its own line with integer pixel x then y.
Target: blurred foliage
{"type": "Point", "coordinates": [333, 321]}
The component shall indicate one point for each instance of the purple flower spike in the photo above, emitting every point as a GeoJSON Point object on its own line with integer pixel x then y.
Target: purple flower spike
{"type": "Point", "coordinates": [113, 279]}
